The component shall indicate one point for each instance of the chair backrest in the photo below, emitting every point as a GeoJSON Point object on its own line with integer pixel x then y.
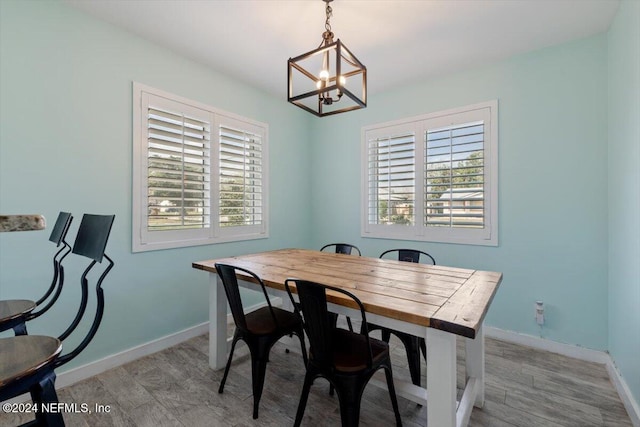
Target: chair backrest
{"type": "Point", "coordinates": [409, 255]}
{"type": "Point", "coordinates": [91, 242]}
{"type": "Point", "coordinates": [228, 275]}
{"type": "Point", "coordinates": [93, 235]}
{"type": "Point", "coordinates": [317, 323]}
{"type": "Point", "coordinates": [58, 236]}
{"type": "Point", "coordinates": [342, 248]}
{"type": "Point", "coordinates": [60, 228]}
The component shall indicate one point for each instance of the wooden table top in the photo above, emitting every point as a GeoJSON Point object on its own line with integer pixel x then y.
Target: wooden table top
{"type": "Point", "coordinates": [14, 308]}
{"type": "Point", "coordinates": [451, 299]}
{"type": "Point", "coordinates": [23, 355]}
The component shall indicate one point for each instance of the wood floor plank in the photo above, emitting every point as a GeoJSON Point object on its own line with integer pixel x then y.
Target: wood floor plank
{"type": "Point", "coordinates": [92, 391]}
{"type": "Point", "coordinates": [614, 415]}
{"type": "Point", "coordinates": [153, 414]}
{"type": "Point", "coordinates": [553, 362]}
{"type": "Point", "coordinates": [553, 406]}
{"type": "Point", "coordinates": [497, 414]}
{"type": "Point", "coordinates": [129, 394]}
{"type": "Point", "coordinates": [524, 387]}
{"type": "Point", "coordinates": [589, 392]}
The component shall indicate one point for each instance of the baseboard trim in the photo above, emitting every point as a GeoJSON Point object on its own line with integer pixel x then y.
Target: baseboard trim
{"type": "Point", "coordinates": [632, 407]}
{"type": "Point", "coordinates": [83, 372]}
{"type": "Point", "coordinates": [576, 352]}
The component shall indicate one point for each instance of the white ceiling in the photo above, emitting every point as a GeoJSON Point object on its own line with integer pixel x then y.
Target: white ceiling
{"type": "Point", "coordinates": [400, 41]}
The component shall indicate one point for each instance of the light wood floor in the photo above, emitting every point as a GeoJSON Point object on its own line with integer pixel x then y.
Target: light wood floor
{"type": "Point", "coordinates": [176, 387]}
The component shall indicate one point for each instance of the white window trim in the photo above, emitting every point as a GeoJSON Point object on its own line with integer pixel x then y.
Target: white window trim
{"type": "Point", "coordinates": [143, 241]}
{"type": "Point", "coordinates": [488, 236]}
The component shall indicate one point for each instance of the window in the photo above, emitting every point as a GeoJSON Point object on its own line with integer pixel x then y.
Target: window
{"type": "Point", "coordinates": [433, 177]}
{"type": "Point", "coordinates": [241, 178]}
{"type": "Point", "coordinates": [199, 174]}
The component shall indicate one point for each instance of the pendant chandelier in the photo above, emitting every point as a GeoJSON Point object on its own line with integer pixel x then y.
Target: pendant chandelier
{"type": "Point", "coordinates": [327, 80]}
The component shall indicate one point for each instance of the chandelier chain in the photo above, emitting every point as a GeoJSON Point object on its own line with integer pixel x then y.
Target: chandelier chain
{"type": "Point", "coordinates": [327, 24]}
{"type": "Point", "coordinates": [327, 36]}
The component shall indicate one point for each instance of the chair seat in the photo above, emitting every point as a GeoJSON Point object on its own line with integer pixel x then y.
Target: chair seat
{"type": "Point", "coordinates": [15, 308]}
{"type": "Point", "coordinates": [260, 322]}
{"type": "Point", "coordinates": [24, 355]}
{"type": "Point", "coordinates": [350, 351]}
{"type": "Point", "coordinates": [14, 314]}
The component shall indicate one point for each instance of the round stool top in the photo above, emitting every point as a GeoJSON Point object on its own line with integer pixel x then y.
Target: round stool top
{"type": "Point", "coordinates": [13, 308]}
{"type": "Point", "coordinates": [23, 355]}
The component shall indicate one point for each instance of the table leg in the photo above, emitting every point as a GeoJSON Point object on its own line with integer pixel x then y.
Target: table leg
{"type": "Point", "coordinates": [441, 378]}
{"type": "Point", "coordinates": [475, 364]}
{"type": "Point", "coordinates": [217, 323]}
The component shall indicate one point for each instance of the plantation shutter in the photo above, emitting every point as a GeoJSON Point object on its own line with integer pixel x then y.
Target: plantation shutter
{"type": "Point", "coordinates": [200, 175]}
{"type": "Point", "coordinates": [454, 171]}
{"type": "Point", "coordinates": [241, 180]}
{"type": "Point", "coordinates": [178, 171]}
{"type": "Point", "coordinates": [391, 179]}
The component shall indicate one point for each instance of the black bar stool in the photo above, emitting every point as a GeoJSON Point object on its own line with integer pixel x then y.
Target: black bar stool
{"type": "Point", "coordinates": [15, 313]}
{"type": "Point", "coordinates": [29, 361]}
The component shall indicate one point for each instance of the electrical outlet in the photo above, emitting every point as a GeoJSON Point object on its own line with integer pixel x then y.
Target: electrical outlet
{"type": "Point", "coordinates": [539, 313]}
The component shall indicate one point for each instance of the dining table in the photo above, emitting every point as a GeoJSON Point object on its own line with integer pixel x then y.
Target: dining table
{"type": "Point", "coordinates": [438, 303]}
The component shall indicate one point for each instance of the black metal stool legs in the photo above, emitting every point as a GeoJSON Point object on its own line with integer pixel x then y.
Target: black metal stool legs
{"type": "Point", "coordinates": [226, 369]}
{"type": "Point", "coordinates": [20, 329]}
{"type": "Point", "coordinates": [304, 396]}
{"type": "Point", "coordinates": [412, 344]}
{"type": "Point", "coordinates": [350, 395]}
{"type": "Point", "coordinates": [258, 373]}
{"type": "Point", "coordinates": [412, 347]}
{"type": "Point", "coordinates": [45, 392]}
{"type": "Point", "coordinates": [392, 394]}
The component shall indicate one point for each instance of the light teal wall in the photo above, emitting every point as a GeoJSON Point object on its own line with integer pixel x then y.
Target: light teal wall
{"type": "Point", "coordinates": [65, 144]}
{"type": "Point", "coordinates": [624, 193]}
{"type": "Point", "coordinates": [552, 184]}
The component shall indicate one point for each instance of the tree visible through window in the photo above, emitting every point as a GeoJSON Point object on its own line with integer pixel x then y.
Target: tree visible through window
{"type": "Point", "coordinates": [433, 177]}
{"type": "Point", "coordinates": [455, 176]}
{"type": "Point", "coordinates": [241, 179]}
{"type": "Point", "coordinates": [200, 174]}
{"type": "Point", "coordinates": [178, 171]}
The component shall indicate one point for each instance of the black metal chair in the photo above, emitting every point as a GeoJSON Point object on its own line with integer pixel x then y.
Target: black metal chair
{"type": "Point", "coordinates": [15, 313]}
{"type": "Point", "coordinates": [346, 359]}
{"type": "Point", "coordinates": [29, 361]}
{"type": "Point", "coordinates": [342, 248]}
{"type": "Point", "coordinates": [347, 249]}
{"type": "Point", "coordinates": [413, 345]}
{"type": "Point", "coordinates": [409, 255]}
{"type": "Point", "coordinates": [259, 329]}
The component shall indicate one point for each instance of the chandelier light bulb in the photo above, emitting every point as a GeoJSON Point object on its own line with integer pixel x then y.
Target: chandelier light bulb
{"type": "Point", "coordinates": [324, 75]}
